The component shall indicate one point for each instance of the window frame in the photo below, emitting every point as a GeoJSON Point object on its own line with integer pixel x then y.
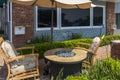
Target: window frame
{"type": "Point", "coordinates": [75, 27]}
{"type": "Point", "coordinates": [36, 20]}
{"type": "Point", "coordinates": [117, 26]}
{"type": "Point", "coordinates": [104, 18]}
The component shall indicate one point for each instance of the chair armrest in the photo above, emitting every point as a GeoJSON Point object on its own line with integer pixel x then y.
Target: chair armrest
{"type": "Point", "coordinates": [82, 43]}
{"type": "Point", "coordinates": [24, 48]}
{"type": "Point", "coordinates": [88, 50]}
{"type": "Point", "coordinates": [21, 57]}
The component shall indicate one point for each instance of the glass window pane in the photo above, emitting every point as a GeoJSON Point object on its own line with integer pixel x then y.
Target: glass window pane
{"type": "Point", "coordinates": [75, 17]}
{"type": "Point", "coordinates": [118, 20]}
{"type": "Point", "coordinates": [97, 16]}
{"type": "Point", "coordinates": [44, 17]}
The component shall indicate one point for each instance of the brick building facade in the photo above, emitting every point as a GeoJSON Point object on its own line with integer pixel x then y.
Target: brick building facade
{"type": "Point", "coordinates": [110, 17]}
{"type": "Point", "coordinates": [22, 16]}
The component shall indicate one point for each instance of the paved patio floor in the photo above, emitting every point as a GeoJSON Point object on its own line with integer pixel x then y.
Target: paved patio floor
{"type": "Point", "coordinates": [103, 52]}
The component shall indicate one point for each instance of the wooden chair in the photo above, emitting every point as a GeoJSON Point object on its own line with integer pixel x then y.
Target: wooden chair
{"type": "Point", "coordinates": [93, 47]}
{"type": "Point", "coordinates": [19, 67]}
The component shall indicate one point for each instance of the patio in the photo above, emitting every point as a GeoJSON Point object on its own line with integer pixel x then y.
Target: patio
{"type": "Point", "coordinates": [103, 52]}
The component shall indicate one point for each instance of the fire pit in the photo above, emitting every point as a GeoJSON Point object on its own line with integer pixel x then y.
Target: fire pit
{"type": "Point", "coordinates": [68, 59]}
{"type": "Point", "coordinates": [65, 53]}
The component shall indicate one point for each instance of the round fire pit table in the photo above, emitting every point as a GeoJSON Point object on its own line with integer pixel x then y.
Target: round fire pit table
{"type": "Point", "coordinates": [68, 59]}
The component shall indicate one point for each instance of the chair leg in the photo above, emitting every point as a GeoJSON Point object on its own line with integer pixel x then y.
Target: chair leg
{"type": "Point", "coordinates": [46, 69]}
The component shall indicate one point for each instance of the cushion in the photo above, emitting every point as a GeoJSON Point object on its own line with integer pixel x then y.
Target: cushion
{"type": "Point", "coordinates": [95, 42]}
{"type": "Point", "coordinates": [23, 64]}
{"type": "Point", "coordinates": [9, 49]}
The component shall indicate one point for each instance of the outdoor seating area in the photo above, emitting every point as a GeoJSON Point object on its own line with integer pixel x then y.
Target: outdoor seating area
{"type": "Point", "coordinates": [59, 40]}
{"type": "Point", "coordinates": [32, 71]}
{"type": "Point", "coordinates": [42, 63]}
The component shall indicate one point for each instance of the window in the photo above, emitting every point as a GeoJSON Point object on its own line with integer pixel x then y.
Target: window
{"type": "Point", "coordinates": [97, 16]}
{"type": "Point", "coordinates": [118, 20]}
{"type": "Point", "coordinates": [44, 17]}
{"type": "Point", "coordinates": [75, 17]}
{"type": "Point", "coordinates": [70, 18]}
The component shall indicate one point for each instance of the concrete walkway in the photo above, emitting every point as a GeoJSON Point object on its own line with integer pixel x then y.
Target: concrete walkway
{"type": "Point", "coordinates": [103, 52]}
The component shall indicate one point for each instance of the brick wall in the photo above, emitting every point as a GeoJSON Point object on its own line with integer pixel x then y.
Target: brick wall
{"type": "Point", "coordinates": [22, 16]}
{"type": "Point", "coordinates": [110, 16]}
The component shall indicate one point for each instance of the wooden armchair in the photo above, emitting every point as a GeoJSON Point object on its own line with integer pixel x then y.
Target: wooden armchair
{"type": "Point", "coordinates": [93, 47]}
{"type": "Point", "coordinates": [19, 67]}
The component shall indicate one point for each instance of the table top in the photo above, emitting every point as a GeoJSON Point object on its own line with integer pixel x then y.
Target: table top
{"type": "Point", "coordinates": [79, 55]}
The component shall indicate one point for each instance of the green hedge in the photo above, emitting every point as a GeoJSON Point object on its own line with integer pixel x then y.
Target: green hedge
{"type": "Point", "coordinates": [42, 47]}
{"type": "Point", "coordinates": [81, 77]}
{"type": "Point", "coordinates": [108, 69]}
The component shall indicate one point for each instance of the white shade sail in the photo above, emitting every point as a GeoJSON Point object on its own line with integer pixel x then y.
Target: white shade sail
{"type": "Point", "coordinates": [57, 3]}
{"type": "Point", "coordinates": [72, 2]}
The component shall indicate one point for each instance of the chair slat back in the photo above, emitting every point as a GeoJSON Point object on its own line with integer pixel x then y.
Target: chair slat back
{"type": "Point", "coordinates": [99, 43]}
{"type": "Point", "coordinates": [2, 52]}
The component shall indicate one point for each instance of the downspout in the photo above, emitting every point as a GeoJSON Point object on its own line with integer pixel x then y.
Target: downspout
{"type": "Point", "coordinates": [10, 21]}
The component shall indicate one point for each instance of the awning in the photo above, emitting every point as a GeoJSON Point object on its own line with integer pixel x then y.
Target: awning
{"type": "Point", "coordinates": [2, 2]}
{"type": "Point", "coordinates": [57, 3]}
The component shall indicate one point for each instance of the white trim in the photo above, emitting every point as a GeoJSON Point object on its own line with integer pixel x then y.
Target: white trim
{"type": "Point", "coordinates": [58, 18]}
{"type": "Point", "coordinates": [9, 19]}
{"type": "Point", "coordinates": [81, 27]}
{"type": "Point", "coordinates": [104, 13]}
{"type": "Point", "coordinates": [36, 20]}
{"type": "Point", "coordinates": [104, 16]}
{"type": "Point", "coordinates": [76, 27]}
{"type": "Point", "coordinates": [91, 17]}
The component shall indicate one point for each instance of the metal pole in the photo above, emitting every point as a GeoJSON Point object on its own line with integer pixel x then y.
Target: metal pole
{"type": "Point", "coordinates": [52, 20]}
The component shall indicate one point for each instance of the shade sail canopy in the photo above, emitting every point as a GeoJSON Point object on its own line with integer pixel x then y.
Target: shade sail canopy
{"type": "Point", "coordinates": [57, 3]}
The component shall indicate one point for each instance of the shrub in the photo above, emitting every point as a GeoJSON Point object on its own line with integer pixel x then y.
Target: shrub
{"type": "Point", "coordinates": [108, 69]}
{"type": "Point", "coordinates": [81, 77]}
{"type": "Point", "coordinates": [109, 38]}
{"type": "Point", "coordinates": [42, 47]}
{"type": "Point", "coordinates": [76, 35]}
{"type": "Point", "coordinates": [41, 38]}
